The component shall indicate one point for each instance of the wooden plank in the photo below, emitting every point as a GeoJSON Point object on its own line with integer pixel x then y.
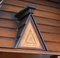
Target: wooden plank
{"type": "Point", "coordinates": [49, 29]}
{"type": "Point", "coordinates": [47, 21]}
{"type": "Point", "coordinates": [7, 15]}
{"type": "Point", "coordinates": [56, 1]}
{"type": "Point", "coordinates": [47, 3]}
{"type": "Point", "coordinates": [7, 23]}
{"type": "Point", "coordinates": [7, 42]}
{"type": "Point", "coordinates": [28, 51]}
{"type": "Point", "coordinates": [4, 32]}
{"type": "Point", "coordinates": [40, 13]}
{"type": "Point", "coordinates": [53, 46]}
{"type": "Point", "coordinates": [21, 55]}
{"type": "Point", "coordinates": [40, 20]}
{"type": "Point", "coordinates": [48, 9]}
{"type": "Point", "coordinates": [39, 7]}
{"type": "Point", "coordinates": [51, 37]}
{"type": "Point", "coordinates": [47, 15]}
{"type": "Point", "coordinates": [10, 8]}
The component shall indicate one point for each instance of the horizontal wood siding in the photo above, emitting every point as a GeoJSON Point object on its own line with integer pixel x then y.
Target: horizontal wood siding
{"type": "Point", "coordinates": [7, 24]}
{"type": "Point", "coordinates": [47, 16]}
{"type": "Point", "coordinates": [7, 32]}
{"type": "Point", "coordinates": [7, 42]}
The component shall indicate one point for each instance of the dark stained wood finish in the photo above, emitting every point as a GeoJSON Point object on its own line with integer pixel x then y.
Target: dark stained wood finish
{"type": "Point", "coordinates": [7, 15]}
{"type": "Point", "coordinates": [47, 21]}
{"type": "Point", "coordinates": [47, 15]}
{"type": "Point", "coordinates": [28, 51]}
{"type": "Point", "coordinates": [48, 4]}
{"type": "Point", "coordinates": [53, 46]}
{"type": "Point", "coordinates": [39, 13]}
{"type": "Point", "coordinates": [49, 29]}
{"type": "Point", "coordinates": [7, 23]}
{"type": "Point", "coordinates": [7, 42]}
{"type": "Point", "coordinates": [44, 2]}
{"type": "Point", "coordinates": [5, 32]}
{"type": "Point", "coordinates": [51, 37]}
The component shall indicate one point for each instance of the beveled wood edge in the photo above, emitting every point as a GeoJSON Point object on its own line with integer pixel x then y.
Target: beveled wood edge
{"type": "Point", "coordinates": [28, 51]}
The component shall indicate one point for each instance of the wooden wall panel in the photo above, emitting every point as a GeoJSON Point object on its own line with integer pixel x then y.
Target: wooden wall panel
{"type": "Point", "coordinates": [7, 15]}
{"type": "Point", "coordinates": [53, 46]}
{"type": "Point", "coordinates": [36, 13]}
{"type": "Point", "coordinates": [11, 8]}
{"type": "Point", "coordinates": [5, 32]}
{"type": "Point", "coordinates": [43, 2]}
{"type": "Point", "coordinates": [22, 55]}
{"type": "Point", "coordinates": [47, 15]}
{"type": "Point", "coordinates": [51, 37]}
{"type": "Point", "coordinates": [47, 21]}
{"type": "Point", "coordinates": [7, 23]}
{"type": "Point", "coordinates": [39, 7]}
{"type": "Point", "coordinates": [40, 20]}
{"type": "Point", "coordinates": [49, 29]}
{"type": "Point", "coordinates": [7, 42]}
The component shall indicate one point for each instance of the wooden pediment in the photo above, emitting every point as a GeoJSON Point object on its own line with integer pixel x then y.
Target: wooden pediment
{"type": "Point", "coordinates": [29, 37]}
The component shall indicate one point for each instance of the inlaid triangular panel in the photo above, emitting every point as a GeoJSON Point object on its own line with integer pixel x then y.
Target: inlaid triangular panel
{"type": "Point", "coordinates": [30, 38]}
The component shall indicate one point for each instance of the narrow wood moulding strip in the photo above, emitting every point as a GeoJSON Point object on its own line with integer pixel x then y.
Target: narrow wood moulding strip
{"type": "Point", "coordinates": [28, 51]}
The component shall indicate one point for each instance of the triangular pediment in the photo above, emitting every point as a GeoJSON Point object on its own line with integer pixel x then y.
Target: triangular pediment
{"type": "Point", "coordinates": [29, 36]}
